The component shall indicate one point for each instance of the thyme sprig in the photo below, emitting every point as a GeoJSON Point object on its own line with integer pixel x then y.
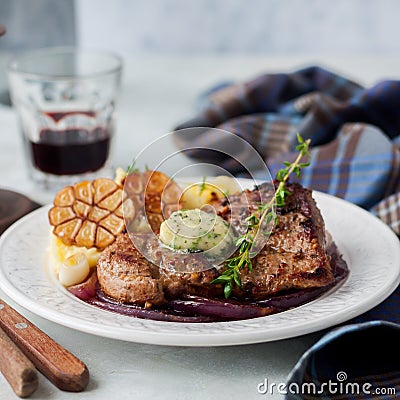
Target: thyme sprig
{"type": "Point", "coordinates": [132, 168]}
{"type": "Point", "coordinates": [203, 184]}
{"type": "Point", "coordinates": [264, 215]}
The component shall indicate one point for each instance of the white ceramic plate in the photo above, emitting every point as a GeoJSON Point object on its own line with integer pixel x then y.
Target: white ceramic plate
{"type": "Point", "coordinates": [370, 248]}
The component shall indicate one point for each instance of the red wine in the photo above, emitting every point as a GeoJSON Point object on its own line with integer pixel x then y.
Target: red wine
{"type": "Point", "coordinates": [57, 116]}
{"type": "Point", "coordinates": [70, 151]}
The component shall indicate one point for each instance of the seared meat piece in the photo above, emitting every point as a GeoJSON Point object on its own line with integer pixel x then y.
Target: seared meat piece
{"type": "Point", "coordinates": [127, 276]}
{"type": "Point", "coordinates": [295, 255]}
{"type": "Point", "coordinates": [188, 274]}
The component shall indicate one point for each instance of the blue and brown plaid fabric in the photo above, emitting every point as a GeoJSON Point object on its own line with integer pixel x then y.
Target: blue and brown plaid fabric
{"type": "Point", "coordinates": [355, 132]}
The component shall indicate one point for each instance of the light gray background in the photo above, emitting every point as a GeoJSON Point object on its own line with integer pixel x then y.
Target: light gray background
{"type": "Point", "coordinates": [143, 27]}
{"type": "Point", "coordinates": [252, 26]}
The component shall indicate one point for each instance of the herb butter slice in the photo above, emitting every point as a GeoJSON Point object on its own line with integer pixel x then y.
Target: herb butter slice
{"type": "Point", "coordinates": [196, 230]}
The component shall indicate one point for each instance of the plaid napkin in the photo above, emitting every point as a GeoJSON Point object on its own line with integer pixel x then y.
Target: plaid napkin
{"type": "Point", "coordinates": [355, 132]}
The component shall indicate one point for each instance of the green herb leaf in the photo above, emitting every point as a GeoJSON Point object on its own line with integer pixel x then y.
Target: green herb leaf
{"type": "Point", "coordinates": [131, 168]}
{"type": "Point", "coordinates": [299, 138]}
{"type": "Point", "coordinates": [202, 185]}
{"type": "Point", "coordinates": [222, 279]}
{"type": "Point", "coordinates": [228, 289]}
{"type": "Point", "coordinates": [236, 278]}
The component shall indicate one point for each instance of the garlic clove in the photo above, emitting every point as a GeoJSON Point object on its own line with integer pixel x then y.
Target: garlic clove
{"type": "Point", "coordinates": [74, 270]}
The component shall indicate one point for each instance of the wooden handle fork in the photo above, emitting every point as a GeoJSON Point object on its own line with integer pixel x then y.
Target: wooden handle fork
{"type": "Point", "coordinates": [20, 373]}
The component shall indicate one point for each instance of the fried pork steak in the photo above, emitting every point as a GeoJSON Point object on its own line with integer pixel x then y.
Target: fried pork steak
{"type": "Point", "coordinates": [294, 257]}
{"type": "Point", "coordinates": [127, 276]}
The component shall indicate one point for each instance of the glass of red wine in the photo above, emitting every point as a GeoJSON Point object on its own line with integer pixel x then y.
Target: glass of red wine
{"type": "Point", "coordinates": [65, 99]}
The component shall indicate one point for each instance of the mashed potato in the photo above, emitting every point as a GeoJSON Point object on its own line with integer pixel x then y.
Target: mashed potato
{"type": "Point", "coordinates": [60, 256]}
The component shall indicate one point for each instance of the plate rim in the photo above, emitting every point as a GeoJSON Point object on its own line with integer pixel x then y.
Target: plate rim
{"type": "Point", "coordinates": [176, 338]}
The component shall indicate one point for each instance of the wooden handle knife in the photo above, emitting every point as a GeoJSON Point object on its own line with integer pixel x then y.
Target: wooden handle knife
{"type": "Point", "coordinates": [60, 366]}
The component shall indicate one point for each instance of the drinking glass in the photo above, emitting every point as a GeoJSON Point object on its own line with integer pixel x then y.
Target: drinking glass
{"type": "Point", "coordinates": [65, 99]}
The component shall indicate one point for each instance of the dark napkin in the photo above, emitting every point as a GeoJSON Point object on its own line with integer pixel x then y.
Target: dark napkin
{"type": "Point", "coordinates": [12, 207]}
{"type": "Point", "coordinates": [359, 361]}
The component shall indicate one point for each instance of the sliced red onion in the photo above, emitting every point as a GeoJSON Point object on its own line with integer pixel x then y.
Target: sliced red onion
{"type": "Point", "coordinates": [147, 313]}
{"type": "Point", "coordinates": [85, 290]}
{"type": "Point", "coordinates": [295, 299]}
{"type": "Point", "coordinates": [220, 309]}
